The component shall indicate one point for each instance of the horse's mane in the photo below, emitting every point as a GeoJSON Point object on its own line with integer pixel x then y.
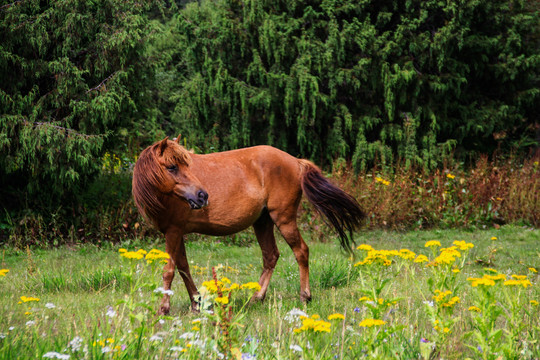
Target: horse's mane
{"type": "Point", "coordinates": [148, 174]}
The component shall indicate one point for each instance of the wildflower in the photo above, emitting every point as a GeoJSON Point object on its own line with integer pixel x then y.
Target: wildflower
{"type": "Point", "coordinates": [28, 313]}
{"type": "Point", "coordinates": [493, 238]}
{"type": "Point", "coordinates": [122, 250]}
{"type": "Point", "coordinates": [296, 348]}
{"type": "Point", "coordinates": [481, 281]}
{"type": "Point", "coordinates": [225, 280]}
{"type": "Point", "coordinates": [163, 291]}
{"type": "Point", "coordinates": [30, 323]}
{"type": "Point", "coordinates": [456, 270]}
{"type": "Point", "coordinates": [454, 300]}
{"type": "Point", "coordinates": [474, 308]}
{"type": "Point", "coordinates": [441, 295]}
{"type": "Point", "coordinates": [132, 255]}
{"type": "Point", "coordinates": [534, 302]}
{"type": "Point", "coordinates": [313, 324]}
{"type": "Point", "coordinates": [514, 282]}
{"type": "Point", "coordinates": [75, 344]}
{"type": "Point", "coordinates": [407, 254]}
{"type": "Point", "coordinates": [156, 338]}
{"type": "Point", "coordinates": [533, 270]}
{"type": "Point", "coordinates": [294, 315]}
{"type": "Point", "coordinates": [432, 243]}
{"type": "Point", "coordinates": [55, 355]}
{"type": "Point", "coordinates": [50, 305]}
{"type": "Point", "coordinates": [222, 300]}
{"type": "Point", "coordinates": [421, 259]}
{"type": "Point", "coordinates": [356, 310]}
{"type": "Point", "coordinates": [364, 298]}
{"type": "Point", "coordinates": [3, 272]}
{"type": "Point", "coordinates": [110, 312]}
{"type": "Point", "coordinates": [336, 316]}
{"type": "Point", "coordinates": [519, 277]}
{"type": "Point", "coordinates": [251, 285]}
{"type": "Point", "coordinates": [371, 322]}
{"type": "Point", "coordinates": [462, 245]}
{"type": "Point", "coordinates": [382, 181]}
{"type": "Point", "coordinates": [28, 299]}
{"type": "Point", "coordinates": [365, 247]}
{"type": "Point", "coordinates": [155, 254]}
{"type": "Point", "coordinates": [428, 303]}
{"type": "Point", "coordinates": [450, 176]}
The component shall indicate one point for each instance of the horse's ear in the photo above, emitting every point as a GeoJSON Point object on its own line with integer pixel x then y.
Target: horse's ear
{"type": "Point", "coordinates": [177, 140]}
{"type": "Point", "coordinates": [162, 146]}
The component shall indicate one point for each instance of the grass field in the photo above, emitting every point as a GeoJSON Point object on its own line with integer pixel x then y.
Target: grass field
{"type": "Point", "coordinates": [95, 304]}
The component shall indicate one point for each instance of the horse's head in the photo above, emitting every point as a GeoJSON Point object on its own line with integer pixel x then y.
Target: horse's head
{"type": "Point", "coordinates": [178, 179]}
{"type": "Point", "coordinates": [163, 169]}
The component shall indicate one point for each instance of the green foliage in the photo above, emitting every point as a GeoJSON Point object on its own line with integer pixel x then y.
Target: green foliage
{"type": "Point", "coordinates": [361, 80]}
{"type": "Point", "coordinates": [74, 79]}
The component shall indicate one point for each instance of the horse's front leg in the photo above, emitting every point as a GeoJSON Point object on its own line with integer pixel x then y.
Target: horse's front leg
{"type": "Point", "coordinates": [174, 243]}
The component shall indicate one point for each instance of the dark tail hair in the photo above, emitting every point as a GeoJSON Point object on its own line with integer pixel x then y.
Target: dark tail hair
{"type": "Point", "coordinates": [340, 209]}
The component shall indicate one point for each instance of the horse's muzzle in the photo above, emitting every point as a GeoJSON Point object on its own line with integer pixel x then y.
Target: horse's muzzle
{"type": "Point", "coordinates": [200, 201]}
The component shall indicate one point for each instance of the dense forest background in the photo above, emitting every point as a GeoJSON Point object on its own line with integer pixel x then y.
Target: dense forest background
{"type": "Point", "coordinates": [85, 85]}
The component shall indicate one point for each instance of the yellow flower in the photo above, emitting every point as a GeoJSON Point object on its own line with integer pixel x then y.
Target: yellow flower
{"type": "Point", "coordinates": [122, 250]}
{"type": "Point", "coordinates": [531, 269]}
{"type": "Point", "coordinates": [474, 308]}
{"type": "Point", "coordinates": [365, 247]}
{"type": "Point", "coordinates": [523, 283]}
{"type": "Point", "coordinates": [493, 238]}
{"type": "Point", "coordinates": [371, 322]}
{"type": "Point", "coordinates": [156, 254]}
{"type": "Point", "coordinates": [364, 298]}
{"type": "Point", "coordinates": [225, 280]}
{"type": "Point", "coordinates": [315, 316]}
{"type": "Point", "coordinates": [27, 299]}
{"type": "Point", "coordinates": [456, 270]}
{"type": "Point", "coordinates": [519, 277]}
{"type": "Point", "coordinates": [462, 245]}
{"type": "Point", "coordinates": [336, 316]}
{"type": "Point", "coordinates": [382, 181]}
{"type": "Point", "coordinates": [421, 259]}
{"type": "Point", "coordinates": [195, 328]}
{"type": "Point", "coordinates": [432, 243]}
{"type": "Point", "coordinates": [251, 285]}
{"type": "Point", "coordinates": [222, 300]}
{"type": "Point", "coordinates": [441, 295]}
{"type": "Point", "coordinates": [28, 313]}
{"type": "Point", "coordinates": [452, 302]}
{"type": "Point", "coordinates": [3, 272]}
{"type": "Point", "coordinates": [534, 302]}
{"type": "Point", "coordinates": [196, 321]}
{"type": "Point", "coordinates": [450, 176]}
{"type": "Point", "coordinates": [314, 325]}
{"type": "Point", "coordinates": [481, 281]}
{"type": "Point", "coordinates": [132, 255]}
{"type": "Point", "coordinates": [110, 340]}
{"type": "Point", "coordinates": [407, 254]}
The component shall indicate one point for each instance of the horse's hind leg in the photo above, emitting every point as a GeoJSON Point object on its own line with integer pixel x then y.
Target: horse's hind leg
{"type": "Point", "coordinates": [288, 228]}
{"type": "Point", "coordinates": [264, 230]}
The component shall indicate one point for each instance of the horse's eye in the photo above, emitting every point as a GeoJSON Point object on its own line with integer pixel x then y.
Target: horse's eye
{"type": "Point", "coordinates": [172, 168]}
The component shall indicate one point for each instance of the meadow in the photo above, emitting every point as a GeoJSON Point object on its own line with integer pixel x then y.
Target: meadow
{"type": "Point", "coordinates": [433, 294]}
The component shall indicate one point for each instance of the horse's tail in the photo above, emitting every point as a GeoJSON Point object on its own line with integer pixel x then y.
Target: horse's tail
{"type": "Point", "coordinates": [340, 209]}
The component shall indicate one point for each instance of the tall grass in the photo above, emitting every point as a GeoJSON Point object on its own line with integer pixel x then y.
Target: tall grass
{"type": "Point", "coordinates": [371, 310]}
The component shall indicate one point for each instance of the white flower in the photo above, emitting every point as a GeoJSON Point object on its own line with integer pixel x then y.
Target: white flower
{"type": "Point", "coordinates": [11, 328]}
{"type": "Point", "coordinates": [294, 315]}
{"type": "Point", "coordinates": [161, 321]}
{"type": "Point", "coordinates": [30, 323]}
{"type": "Point", "coordinates": [187, 335]}
{"type": "Point", "coordinates": [176, 348]}
{"type": "Point", "coordinates": [50, 305]}
{"type": "Point", "coordinates": [156, 338]}
{"type": "Point", "coordinates": [55, 355]}
{"type": "Point", "coordinates": [76, 343]}
{"type": "Point", "coordinates": [428, 303]}
{"type": "Point", "coordinates": [110, 312]}
{"type": "Point", "coordinates": [296, 348]}
{"type": "Point", "coordinates": [163, 291]}
{"type": "Point", "coordinates": [105, 349]}
{"type": "Point", "coordinates": [2, 336]}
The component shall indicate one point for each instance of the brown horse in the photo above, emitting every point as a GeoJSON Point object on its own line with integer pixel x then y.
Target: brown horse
{"type": "Point", "coordinates": [224, 193]}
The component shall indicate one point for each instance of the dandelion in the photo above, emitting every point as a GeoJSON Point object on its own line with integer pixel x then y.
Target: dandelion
{"type": "Point", "coordinates": [371, 323]}
{"type": "Point", "coordinates": [432, 243]}
{"type": "Point", "coordinates": [336, 316]}
{"type": "Point", "coordinates": [493, 238]}
{"type": "Point", "coordinates": [474, 308]}
{"type": "Point", "coordinates": [456, 270]}
{"type": "Point", "coordinates": [3, 272]}
{"type": "Point", "coordinates": [55, 355]}
{"type": "Point", "coordinates": [450, 176]}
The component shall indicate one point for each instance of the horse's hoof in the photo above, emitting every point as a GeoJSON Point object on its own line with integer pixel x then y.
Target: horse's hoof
{"type": "Point", "coordinates": [164, 310]}
{"type": "Point", "coordinates": [305, 298]}
{"type": "Point", "coordinates": [257, 298]}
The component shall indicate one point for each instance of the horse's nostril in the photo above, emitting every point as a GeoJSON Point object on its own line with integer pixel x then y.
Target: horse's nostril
{"type": "Point", "coordinates": [202, 195]}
